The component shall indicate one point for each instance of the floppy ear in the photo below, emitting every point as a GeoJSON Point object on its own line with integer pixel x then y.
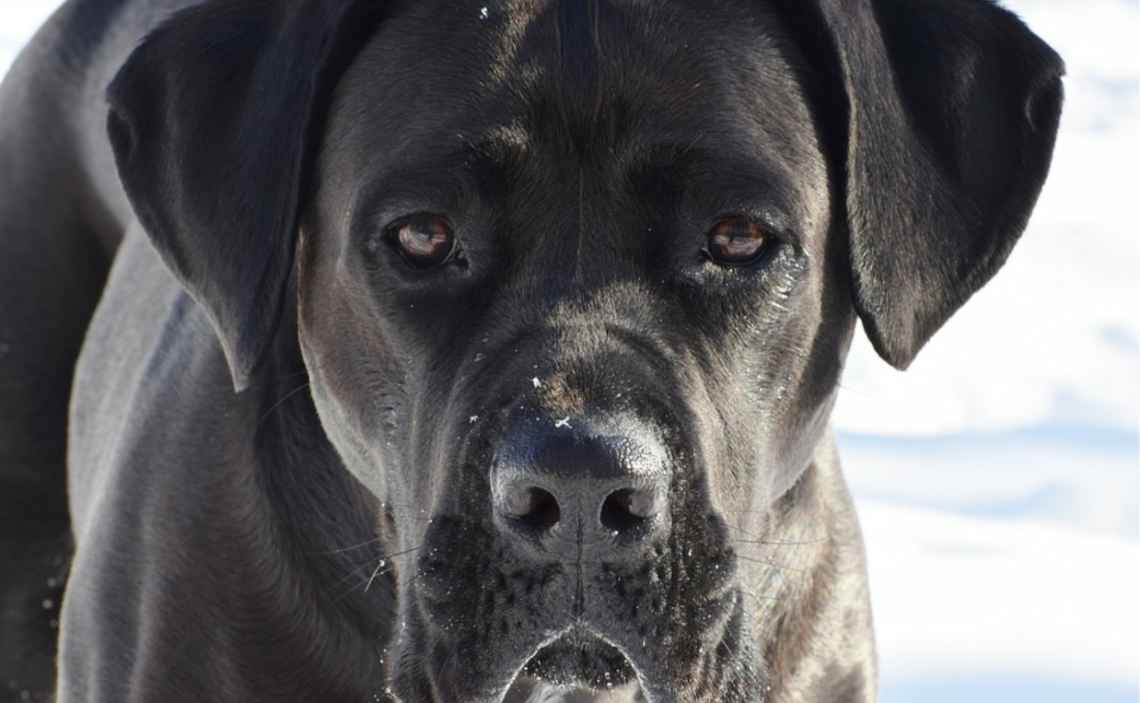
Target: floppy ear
{"type": "Point", "coordinates": [952, 112]}
{"type": "Point", "coordinates": [213, 121]}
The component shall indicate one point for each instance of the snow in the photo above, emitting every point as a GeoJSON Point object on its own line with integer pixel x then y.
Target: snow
{"type": "Point", "coordinates": [997, 480]}
{"type": "Point", "coordinates": [985, 588]}
{"type": "Point", "coordinates": [18, 21]}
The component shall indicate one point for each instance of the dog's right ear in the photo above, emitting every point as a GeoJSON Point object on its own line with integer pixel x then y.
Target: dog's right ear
{"type": "Point", "coordinates": [950, 109]}
{"type": "Point", "coordinates": [214, 119]}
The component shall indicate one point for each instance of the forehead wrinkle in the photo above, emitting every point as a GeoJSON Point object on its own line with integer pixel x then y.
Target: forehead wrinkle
{"type": "Point", "coordinates": [504, 143]}
{"type": "Point", "coordinates": [589, 80]}
{"type": "Point", "coordinates": [658, 88]}
{"type": "Point", "coordinates": [515, 18]}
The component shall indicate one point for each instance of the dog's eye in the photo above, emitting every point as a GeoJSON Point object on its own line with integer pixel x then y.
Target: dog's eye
{"type": "Point", "coordinates": [735, 241]}
{"type": "Point", "coordinates": [425, 240]}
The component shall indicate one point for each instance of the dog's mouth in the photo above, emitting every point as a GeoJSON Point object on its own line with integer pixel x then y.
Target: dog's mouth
{"type": "Point", "coordinates": [579, 667]}
{"type": "Point", "coordinates": [486, 625]}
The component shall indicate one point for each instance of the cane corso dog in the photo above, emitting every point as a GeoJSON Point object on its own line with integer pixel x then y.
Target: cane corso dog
{"type": "Point", "coordinates": [474, 350]}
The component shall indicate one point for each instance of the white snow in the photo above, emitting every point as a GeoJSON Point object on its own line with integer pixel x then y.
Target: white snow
{"type": "Point", "coordinates": [1010, 560]}
{"type": "Point", "coordinates": [995, 597]}
{"type": "Point", "coordinates": [19, 19]}
{"type": "Point", "coordinates": [998, 479]}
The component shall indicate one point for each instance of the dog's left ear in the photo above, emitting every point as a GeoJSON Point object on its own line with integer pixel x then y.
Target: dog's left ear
{"type": "Point", "coordinates": [952, 112]}
{"type": "Point", "coordinates": [214, 119]}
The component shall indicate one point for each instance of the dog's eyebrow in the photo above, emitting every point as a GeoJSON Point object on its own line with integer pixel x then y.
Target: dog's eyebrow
{"type": "Point", "coordinates": [442, 176]}
{"type": "Point", "coordinates": [710, 180]}
{"type": "Point", "coordinates": [503, 142]}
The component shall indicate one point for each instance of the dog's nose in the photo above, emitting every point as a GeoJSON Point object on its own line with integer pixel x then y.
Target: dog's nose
{"type": "Point", "coordinates": [581, 490]}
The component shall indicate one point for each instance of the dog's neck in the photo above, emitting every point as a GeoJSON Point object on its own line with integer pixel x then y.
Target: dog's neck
{"type": "Point", "coordinates": [819, 641]}
{"type": "Point", "coordinates": [321, 589]}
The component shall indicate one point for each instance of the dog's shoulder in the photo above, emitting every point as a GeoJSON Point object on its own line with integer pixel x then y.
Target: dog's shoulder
{"type": "Point", "coordinates": [147, 343]}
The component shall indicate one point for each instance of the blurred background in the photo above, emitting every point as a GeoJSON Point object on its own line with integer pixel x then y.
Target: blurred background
{"type": "Point", "coordinates": [998, 480]}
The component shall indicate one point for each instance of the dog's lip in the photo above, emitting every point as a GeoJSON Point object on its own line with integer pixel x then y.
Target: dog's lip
{"type": "Point", "coordinates": [505, 679]}
{"type": "Point", "coordinates": [525, 687]}
{"type": "Point", "coordinates": [663, 642]}
{"type": "Point", "coordinates": [525, 690]}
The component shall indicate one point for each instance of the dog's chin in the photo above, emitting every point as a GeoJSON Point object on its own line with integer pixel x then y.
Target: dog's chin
{"type": "Point", "coordinates": [576, 668]}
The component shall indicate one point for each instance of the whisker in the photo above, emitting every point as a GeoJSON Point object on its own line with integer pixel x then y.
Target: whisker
{"type": "Point", "coordinates": [767, 600]}
{"type": "Point", "coordinates": [338, 593]}
{"type": "Point", "coordinates": [365, 567]}
{"type": "Point", "coordinates": [758, 539]}
{"type": "Point", "coordinates": [384, 562]}
{"type": "Point", "coordinates": [778, 543]}
{"type": "Point", "coordinates": [362, 545]}
{"type": "Point", "coordinates": [766, 512]}
{"type": "Point", "coordinates": [282, 401]}
{"type": "Point", "coordinates": [774, 565]}
{"type": "Point", "coordinates": [409, 507]}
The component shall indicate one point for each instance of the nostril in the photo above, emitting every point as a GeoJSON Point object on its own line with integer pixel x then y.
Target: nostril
{"type": "Point", "coordinates": [626, 509]}
{"type": "Point", "coordinates": [534, 507]}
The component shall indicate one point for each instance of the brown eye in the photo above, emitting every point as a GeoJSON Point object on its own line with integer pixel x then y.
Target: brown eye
{"type": "Point", "coordinates": [735, 241]}
{"type": "Point", "coordinates": [425, 240]}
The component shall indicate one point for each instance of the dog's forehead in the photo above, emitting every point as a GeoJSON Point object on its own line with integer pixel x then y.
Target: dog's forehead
{"type": "Point", "coordinates": [579, 78]}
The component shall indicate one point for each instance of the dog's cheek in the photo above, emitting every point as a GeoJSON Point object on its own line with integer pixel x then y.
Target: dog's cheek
{"type": "Point", "coordinates": [816, 337]}
{"type": "Point", "coordinates": [775, 393]}
{"type": "Point", "coordinates": [354, 384]}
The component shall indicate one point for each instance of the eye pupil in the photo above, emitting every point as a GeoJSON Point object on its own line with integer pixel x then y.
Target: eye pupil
{"type": "Point", "coordinates": [425, 240]}
{"type": "Point", "coordinates": [735, 241]}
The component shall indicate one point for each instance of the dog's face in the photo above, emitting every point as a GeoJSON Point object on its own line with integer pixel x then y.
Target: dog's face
{"type": "Point", "coordinates": [596, 319]}
{"type": "Point", "coordinates": [575, 281]}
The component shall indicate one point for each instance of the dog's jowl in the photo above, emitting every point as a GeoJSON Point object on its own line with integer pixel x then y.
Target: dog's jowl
{"type": "Point", "coordinates": [475, 351]}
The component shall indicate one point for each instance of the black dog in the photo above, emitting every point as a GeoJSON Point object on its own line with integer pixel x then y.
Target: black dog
{"type": "Point", "coordinates": [536, 310]}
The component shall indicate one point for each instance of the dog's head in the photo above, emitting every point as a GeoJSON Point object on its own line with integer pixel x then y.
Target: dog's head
{"type": "Point", "coordinates": [575, 280]}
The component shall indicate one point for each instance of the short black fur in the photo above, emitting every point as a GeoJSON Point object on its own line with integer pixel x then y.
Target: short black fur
{"type": "Point", "coordinates": [342, 528]}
